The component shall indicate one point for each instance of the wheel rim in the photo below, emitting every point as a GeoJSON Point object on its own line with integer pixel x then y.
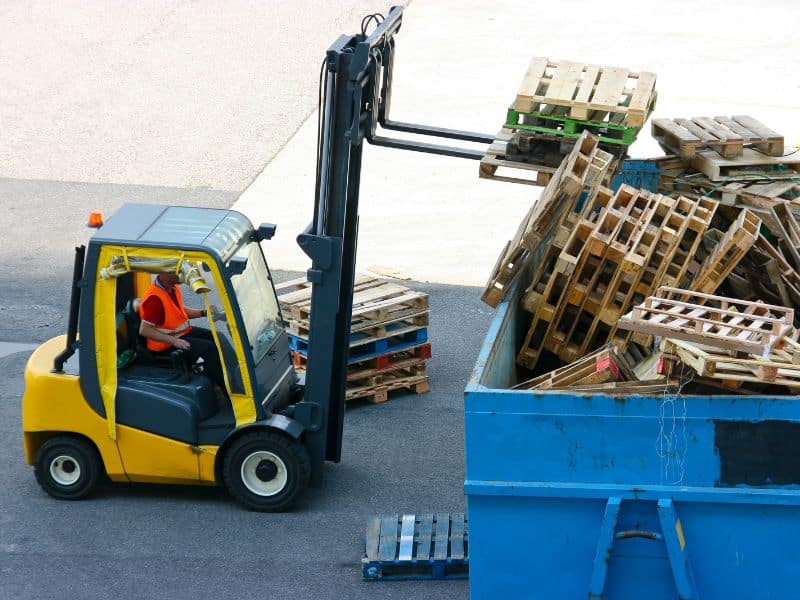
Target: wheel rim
{"type": "Point", "coordinates": [253, 477]}
{"type": "Point", "coordinates": [65, 470]}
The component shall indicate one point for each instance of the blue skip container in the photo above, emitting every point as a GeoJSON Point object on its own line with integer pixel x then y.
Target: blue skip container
{"type": "Point", "coordinates": [626, 497]}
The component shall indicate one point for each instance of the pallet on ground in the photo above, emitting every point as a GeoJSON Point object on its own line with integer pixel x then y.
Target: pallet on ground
{"type": "Point", "coordinates": [398, 337]}
{"type": "Point", "coordinates": [726, 135]}
{"type": "Point", "coordinates": [376, 388]}
{"type": "Point", "coordinates": [423, 546]}
{"type": "Point", "coordinates": [398, 358]}
{"type": "Point", "coordinates": [729, 324]}
{"type": "Point", "coordinates": [374, 300]}
{"type": "Point", "coordinates": [586, 92]}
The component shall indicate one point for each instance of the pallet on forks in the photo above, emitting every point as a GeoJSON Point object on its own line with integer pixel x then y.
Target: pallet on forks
{"type": "Point", "coordinates": [565, 98]}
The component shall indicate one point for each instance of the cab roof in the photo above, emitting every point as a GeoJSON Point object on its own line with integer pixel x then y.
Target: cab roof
{"type": "Point", "coordinates": [218, 230]}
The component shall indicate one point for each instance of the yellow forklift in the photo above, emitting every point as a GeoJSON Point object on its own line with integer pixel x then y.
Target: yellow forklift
{"type": "Point", "coordinates": [97, 403]}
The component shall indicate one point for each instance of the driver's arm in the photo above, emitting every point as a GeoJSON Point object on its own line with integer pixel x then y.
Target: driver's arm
{"type": "Point", "coordinates": [148, 331]}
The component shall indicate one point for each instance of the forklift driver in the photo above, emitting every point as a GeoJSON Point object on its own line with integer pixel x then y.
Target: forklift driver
{"type": "Point", "coordinates": [165, 325]}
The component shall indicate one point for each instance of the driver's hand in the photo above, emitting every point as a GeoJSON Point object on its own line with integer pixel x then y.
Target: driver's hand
{"type": "Point", "coordinates": [217, 314]}
{"type": "Point", "coordinates": [180, 344]}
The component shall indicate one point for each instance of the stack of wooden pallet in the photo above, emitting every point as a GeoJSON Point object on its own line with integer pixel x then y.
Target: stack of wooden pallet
{"type": "Point", "coordinates": [556, 102]}
{"type": "Point", "coordinates": [388, 341]}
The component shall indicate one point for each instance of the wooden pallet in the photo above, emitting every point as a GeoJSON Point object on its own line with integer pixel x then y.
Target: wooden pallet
{"type": "Point", "coordinates": [602, 366]}
{"type": "Point", "coordinates": [396, 337]}
{"type": "Point", "coordinates": [416, 547]}
{"type": "Point", "coordinates": [375, 301]}
{"type": "Point", "coordinates": [376, 388]}
{"type": "Point", "coordinates": [756, 195]}
{"type": "Point", "coordinates": [726, 135]}
{"type": "Point", "coordinates": [398, 358]}
{"type": "Point", "coordinates": [647, 387]}
{"type": "Point", "coordinates": [586, 92]}
{"type": "Point", "coordinates": [583, 166]}
{"type": "Point", "coordinates": [779, 367]}
{"type": "Point", "coordinates": [730, 324]}
{"type": "Point", "coordinates": [751, 164]}
{"type": "Point", "coordinates": [498, 163]}
{"type": "Point", "coordinates": [739, 238]}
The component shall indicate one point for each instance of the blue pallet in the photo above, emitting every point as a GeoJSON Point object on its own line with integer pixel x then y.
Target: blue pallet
{"type": "Point", "coordinates": [416, 547]}
{"type": "Point", "coordinates": [642, 174]}
{"type": "Point", "coordinates": [595, 496]}
{"type": "Point", "coordinates": [371, 349]}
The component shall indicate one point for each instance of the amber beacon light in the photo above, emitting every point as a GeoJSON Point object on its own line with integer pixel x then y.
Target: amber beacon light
{"type": "Point", "coordinates": [95, 219]}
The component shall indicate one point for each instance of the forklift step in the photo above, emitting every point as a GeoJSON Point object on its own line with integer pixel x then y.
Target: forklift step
{"type": "Point", "coordinates": [362, 347]}
{"type": "Point", "coordinates": [416, 547]}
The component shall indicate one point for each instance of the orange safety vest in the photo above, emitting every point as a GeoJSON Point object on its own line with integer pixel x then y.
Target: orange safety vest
{"type": "Point", "coordinates": [176, 321]}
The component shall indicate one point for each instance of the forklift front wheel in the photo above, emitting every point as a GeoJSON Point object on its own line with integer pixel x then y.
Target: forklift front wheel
{"type": "Point", "coordinates": [67, 468]}
{"type": "Point", "coordinates": [266, 471]}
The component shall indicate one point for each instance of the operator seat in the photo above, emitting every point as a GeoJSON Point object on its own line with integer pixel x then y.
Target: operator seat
{"type": "Point", "coordinates": [157, 391]}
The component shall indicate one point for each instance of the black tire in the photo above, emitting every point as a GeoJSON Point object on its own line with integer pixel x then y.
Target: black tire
{"type": "Point", "coordinates": [266, 471]}
{"type": "Point", "coordinates": [68, 468]}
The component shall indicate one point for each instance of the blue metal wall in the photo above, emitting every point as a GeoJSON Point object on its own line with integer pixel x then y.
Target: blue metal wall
{"type": "Point", "coordinates": [570, 495]}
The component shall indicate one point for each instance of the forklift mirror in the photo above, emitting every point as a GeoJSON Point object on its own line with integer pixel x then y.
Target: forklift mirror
{"type": "Point", "coordinates": [265, 231]}
{"type": "Point", "coordinates": [236, 266]}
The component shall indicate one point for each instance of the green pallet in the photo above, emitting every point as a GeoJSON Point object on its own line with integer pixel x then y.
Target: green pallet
{"type": "Point", "coordinates": [609, 133]}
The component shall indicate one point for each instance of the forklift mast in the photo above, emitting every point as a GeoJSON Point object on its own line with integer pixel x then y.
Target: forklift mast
{"type": "Point", "coordinates": [355, 93]}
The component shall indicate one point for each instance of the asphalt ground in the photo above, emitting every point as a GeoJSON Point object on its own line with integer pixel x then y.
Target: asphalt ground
{"type": "Point", "coordinates": [174, 542]}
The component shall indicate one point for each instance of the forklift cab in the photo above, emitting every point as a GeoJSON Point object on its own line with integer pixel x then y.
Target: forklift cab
{"type": "Point", "coordinates": [152, 417]}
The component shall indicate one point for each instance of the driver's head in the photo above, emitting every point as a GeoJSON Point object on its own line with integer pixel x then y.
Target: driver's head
{"type": "Point", "coordinates": [168, 279]}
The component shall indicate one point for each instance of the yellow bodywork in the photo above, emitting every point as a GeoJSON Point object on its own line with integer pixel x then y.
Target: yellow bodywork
{"type": "Point", "coordinates": [53, 403]}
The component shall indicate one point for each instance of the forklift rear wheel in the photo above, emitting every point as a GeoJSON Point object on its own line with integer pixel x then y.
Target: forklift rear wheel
{"type": "Point", "coordinates": [267, 471]}
{"type": "Point", "coordinates": [67, 468]}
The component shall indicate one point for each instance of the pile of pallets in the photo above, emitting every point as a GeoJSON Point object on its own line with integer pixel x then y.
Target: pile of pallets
{"type": "Point", "coordinates": [736, 160]}
{"type": "Point", "coordinates": [585, 168]}
{"type": "Point", "coordinates": [630, 290]}
{"type": "Point", "coordinates": [727, 343]}
{"type": "Point", "coordinates": [389, 344]}
{"type": "Point", "coordinates": [556, 102]}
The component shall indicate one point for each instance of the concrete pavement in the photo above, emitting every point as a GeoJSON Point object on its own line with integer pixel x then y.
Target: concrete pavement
{"type": "Point", "coordinates": [159, 92]}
